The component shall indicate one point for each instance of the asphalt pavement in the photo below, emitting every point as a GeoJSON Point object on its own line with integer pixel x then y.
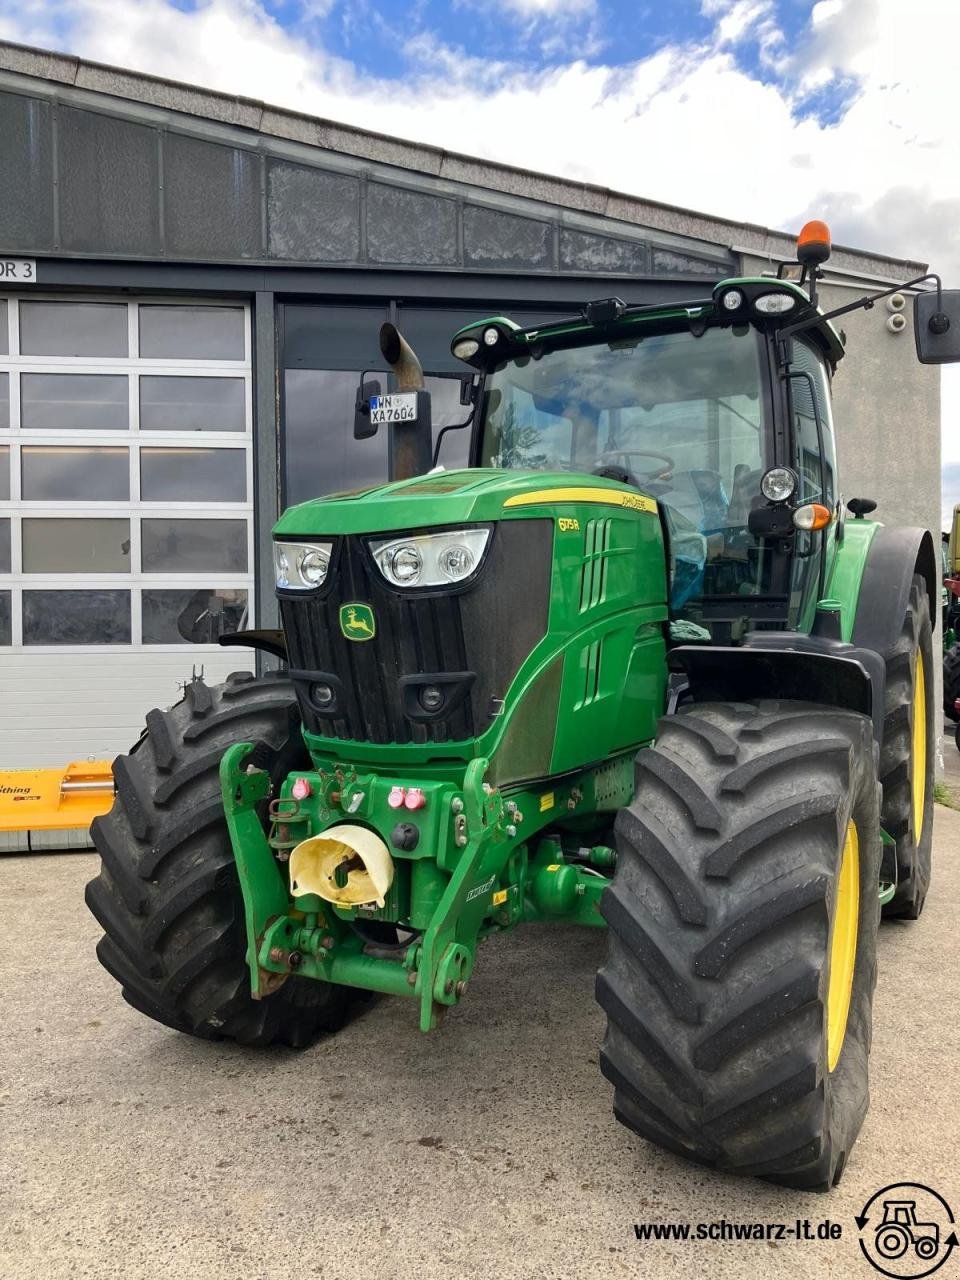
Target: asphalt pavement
{"type": "Point", "coordinates": [487, 1149]}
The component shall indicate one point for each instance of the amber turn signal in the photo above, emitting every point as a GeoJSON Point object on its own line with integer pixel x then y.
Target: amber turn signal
{"type": "Point", "coordinates": [812, 515]}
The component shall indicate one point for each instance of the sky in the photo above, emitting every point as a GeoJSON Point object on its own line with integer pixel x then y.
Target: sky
{"type": "Point", "coordinates": [768, 111]}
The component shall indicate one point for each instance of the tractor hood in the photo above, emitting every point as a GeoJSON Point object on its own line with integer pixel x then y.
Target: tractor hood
{"type": "Point", "coordinates": [454, 497]}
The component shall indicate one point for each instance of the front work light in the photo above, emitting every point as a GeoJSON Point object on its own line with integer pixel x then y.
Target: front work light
{"type": "Point", "coordinates": [774, 304]}
{"type": "Point", "coordinates": [301, 566]}
{"type": "Point", "coordinates": [466, 348]}
{"type": "Point", "coordinates": [778, 484]}
{"type": "Point", "coordinates": [491, 336]}
{"type": "Point", "coordinates": [732, 300]}
{"type": "Point", "coordinates": [431, 559]}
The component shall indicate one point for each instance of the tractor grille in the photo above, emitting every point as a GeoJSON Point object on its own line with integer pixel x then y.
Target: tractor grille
{"type": "Point", "coordinates": [482, 633]}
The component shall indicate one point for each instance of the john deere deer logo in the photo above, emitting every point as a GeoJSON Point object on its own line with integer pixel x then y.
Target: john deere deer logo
{"type": "Point", "coordinates": [356, 622]}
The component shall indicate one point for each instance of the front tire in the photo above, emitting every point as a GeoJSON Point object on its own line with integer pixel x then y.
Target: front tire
{"type": "Point", "coordinates": [168, 895]}
{"type": "Point", "coordinates": [907, 754]}
{"type": "Point", "coordinates": [743, 916]}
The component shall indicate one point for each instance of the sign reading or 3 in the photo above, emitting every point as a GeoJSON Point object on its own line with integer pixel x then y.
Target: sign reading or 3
{"type": "Point", "coordinates": [18, 271]}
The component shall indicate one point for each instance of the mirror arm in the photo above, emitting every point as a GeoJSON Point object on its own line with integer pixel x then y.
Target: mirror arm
{"type": "Point", "coordinates": [866, 303]}
{"type": "Point", "coordinates": [451, 426]}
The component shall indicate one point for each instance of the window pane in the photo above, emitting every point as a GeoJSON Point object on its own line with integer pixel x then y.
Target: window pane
{"type": "Point", "coordinates": [194, 617]}
{"type": "Point", "coordinates": [71, 473]}
{"type": "Point", "coordinates": [4, 473]}
{"type": "Point", "coordinates": [4, 546]}
{"type": "Point", "coordinates": [73, 328]}
{"type": "Point", "coordinates": [5, 637]}
{"type": "Point", "coordinates": [84, 401]}
{"type": "Point", "coordinates": [191, 404]}
{"type": "Point", "coordinates": [193, 475]}
{"type": "Point", "coordinates": [76, 617]}
{"type": "Point", "coordinates": [76, 546]}
{"type": "Point", "coordinates": [4, 339]}
{"type": "Point", "coordinates": [191, 333]}
{"type": "Point", "coordinates": [194, 546]}
{"type": "Point", "coordinates": [446, 410]}
{"type": "Point", "coordinates": [320, 453]}
{"type": "Point", "coordinates": [4, 400]}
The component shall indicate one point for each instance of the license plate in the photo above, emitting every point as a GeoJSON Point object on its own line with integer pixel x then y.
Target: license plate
{"type": "Point", "coordinates": [396, 408]}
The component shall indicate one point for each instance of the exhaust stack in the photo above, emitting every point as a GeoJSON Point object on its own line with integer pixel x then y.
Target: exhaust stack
{"type": "Point", "coordinates": [411, 442]}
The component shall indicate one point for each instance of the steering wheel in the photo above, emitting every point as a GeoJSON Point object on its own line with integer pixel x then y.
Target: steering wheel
{"type": "Point", "coordinates": [657, 473]}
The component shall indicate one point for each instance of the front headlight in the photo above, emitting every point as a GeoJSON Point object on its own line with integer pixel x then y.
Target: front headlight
{"type": "Point", "coordinates": [301, 566]}
{"type": "Point", "coordinates": [431, 559]}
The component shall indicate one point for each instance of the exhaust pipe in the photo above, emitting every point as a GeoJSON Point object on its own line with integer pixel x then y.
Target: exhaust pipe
{"type": "Point", "coordinates": [347, 865]}
{"type": "Point", "coordinates": [401, 358]}
{"type": "Point", "coordinates": [411, 442]}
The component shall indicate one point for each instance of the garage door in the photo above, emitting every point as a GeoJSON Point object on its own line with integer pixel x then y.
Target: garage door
{"type": "Point", "coordinates": [126, 513]}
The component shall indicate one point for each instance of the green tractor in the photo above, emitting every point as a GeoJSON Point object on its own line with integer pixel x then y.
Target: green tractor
{"type": "Point", "coordinates": [636, 668]}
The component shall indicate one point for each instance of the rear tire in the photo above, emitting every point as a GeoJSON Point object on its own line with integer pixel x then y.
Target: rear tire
{"type": "Point", "coordinates": [722, 971]}
{"type": "Point", "coordinates": [951, 682]}
{"type": "Point", "coordinates": [908, 816]}
{"type": "Point", "coordinates": [168, 895]}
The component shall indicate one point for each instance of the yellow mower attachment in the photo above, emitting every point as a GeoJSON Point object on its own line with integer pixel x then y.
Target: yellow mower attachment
{"type": "Point", "coordinates": [53, 808]}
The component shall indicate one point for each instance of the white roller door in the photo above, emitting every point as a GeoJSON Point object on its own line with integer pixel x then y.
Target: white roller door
{"type": "Point", "coordinates": [126, 513]}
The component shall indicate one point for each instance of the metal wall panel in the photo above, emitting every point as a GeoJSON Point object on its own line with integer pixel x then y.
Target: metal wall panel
{"type": "Point", "coordinates": [211, 199]}
{"type": "Point", "coordinates": [406, 227]}
{"type": "Point", "coordinates": [503, 242]}
{"type": "Point", "coordinates": [26, 165]}
{"type": "Point", "coordinates": [582, 252]}
{"type": "Point", "coordinates": [312, 214]}
{"type": "Point", "coordinates": [109, 184]}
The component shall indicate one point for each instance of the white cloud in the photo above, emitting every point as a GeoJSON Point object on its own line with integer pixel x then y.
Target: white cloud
{"type": "Point", "coordinates": [686, 125]}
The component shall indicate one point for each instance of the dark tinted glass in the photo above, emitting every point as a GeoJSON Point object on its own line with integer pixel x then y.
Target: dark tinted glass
{"type": "Point", "coordinates": [191, 333]}
{"type": "Point", "coordinates": [5, 637]}
{"type": "Point", "coordinates": [4, 473]}
{"type": "Point", "coordinates": [4, 339]}
{"type": "Point", "coordinates": [4, 400]}
{"type": "Point", "coordinates": [320, 453]}
{"type": "Point", "coordinates": [75, 546]}
{"type": "Point", "coordinates": [73, 328]}
{"type": "Point", "coordinates": [71, 473]}
{"type": "Point", "coordinates": [76, 617]}
{"type": "Point", "coordinates": [67, 401]}
{"type": "Point", "coordinates": [193, 475]}
{"type": "Point", "coordinates": [192, 617]}
{"type": "Point", "coordinates": [191, 404]}
{"type": "Point", "coordinates": [332, 337]}
{"type": "Point", "coordinates": [4, 546]}
{"type": "Point", "coordinates": [193, 546]}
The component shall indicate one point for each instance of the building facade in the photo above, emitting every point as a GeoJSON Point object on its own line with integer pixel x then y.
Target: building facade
{"type": "Point", "coordinates": [191, 287]}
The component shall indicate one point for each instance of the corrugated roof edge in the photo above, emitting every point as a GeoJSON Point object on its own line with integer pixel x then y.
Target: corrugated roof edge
{"type": "Point", "coordinates": [281, 122]}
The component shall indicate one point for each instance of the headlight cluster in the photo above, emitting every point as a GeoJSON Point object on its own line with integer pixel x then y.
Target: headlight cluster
{"type": "Point", "coordinates": [301, 566]}
{"type": "Point", "coordinates": [430, 560]}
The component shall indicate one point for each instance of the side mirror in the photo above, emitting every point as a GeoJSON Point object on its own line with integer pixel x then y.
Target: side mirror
{"type": "Point", "coordinates": [363, 428]}
{"type": "Point", "coordinates": [936, 326]}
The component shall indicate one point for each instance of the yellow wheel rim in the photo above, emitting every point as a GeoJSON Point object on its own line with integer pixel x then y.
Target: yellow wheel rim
{"type": "Point", "coordinates": [918, 779]}
{"type": "Point", "coordinates": [843, 945]}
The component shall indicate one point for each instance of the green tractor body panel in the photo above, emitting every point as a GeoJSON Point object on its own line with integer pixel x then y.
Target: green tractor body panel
{"type": "Point", "coordinates": [845, 570]}
{"type": "Point", "coordinates": [558, 641]}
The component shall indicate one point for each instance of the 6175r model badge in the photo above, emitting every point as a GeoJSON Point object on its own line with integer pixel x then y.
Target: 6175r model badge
{"type": "Point", "coordinates": [357, 622]}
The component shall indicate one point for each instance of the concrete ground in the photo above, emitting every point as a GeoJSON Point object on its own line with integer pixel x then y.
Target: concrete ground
{"type": "Point", "coordinates": [488, 1149]}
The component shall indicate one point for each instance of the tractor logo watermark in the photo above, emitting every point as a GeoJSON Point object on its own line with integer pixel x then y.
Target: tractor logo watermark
{"type": "Point", "coordinates": [907, 1231]}
{"type": "Point", "coordinates": [357, 621]}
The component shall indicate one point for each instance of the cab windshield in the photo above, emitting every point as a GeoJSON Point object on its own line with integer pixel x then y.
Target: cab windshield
{"type": "Point", "coordinates": [679, 416]}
